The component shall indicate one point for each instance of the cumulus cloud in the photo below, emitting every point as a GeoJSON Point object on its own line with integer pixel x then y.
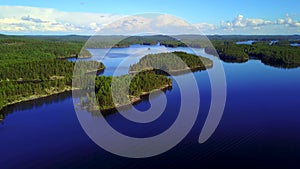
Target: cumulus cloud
{"type": "Point", "coordinates": [32, 19]}
{"type": "Point", "coordinates": [241, 22]}
{"type": "Point", "coordinates": [243, 25]}
{"type": "Point", "coordinates": [23, 19]}
{"type": "Point", "coordinates": [288, 21]}
{"type": "Point", "coordinates": [156, 23]}
{"type": "Point", "coordinates": [206, 27]}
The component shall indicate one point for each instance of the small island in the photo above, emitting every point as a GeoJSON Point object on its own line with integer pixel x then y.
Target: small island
{"type": "Point", "coordinates": [173, 62]}
{"type": "Point", "coordinates": [128, 88]}
{"type": "Point", "coordinates": [142, 80]}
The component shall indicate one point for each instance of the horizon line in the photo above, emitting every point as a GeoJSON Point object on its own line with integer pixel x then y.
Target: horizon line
{"type": "Point", "coordinates": [148, 35]}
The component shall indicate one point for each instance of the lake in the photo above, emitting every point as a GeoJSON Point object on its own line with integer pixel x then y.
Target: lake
{"type": "Point", "coordinates": [248, 42]}
{"type": "Point", "coordinates": [259, 128]}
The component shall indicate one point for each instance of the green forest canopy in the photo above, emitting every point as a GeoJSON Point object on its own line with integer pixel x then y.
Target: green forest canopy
{"type": "Point", "coordinates": [127, 88]}
{"type": "Point", "coordinates": [29, 65]}
{"type": "Point", "coordinates": [278, 54]}
{"type": "Point", "coordinates": [172, 61]}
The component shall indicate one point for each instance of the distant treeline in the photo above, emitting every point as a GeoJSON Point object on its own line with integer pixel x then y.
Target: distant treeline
{"type": "Point", "coordinates": [19, 47]}
{"type": "Point", "coordinates": [277, 54]}
{"type": "Point", "coordinates": [31, 66]}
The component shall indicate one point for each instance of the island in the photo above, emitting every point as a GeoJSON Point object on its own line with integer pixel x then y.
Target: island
{"type": "Point", "coordinates": [142, 80]}
{"type": "Point", "coordinates": [38, 66]}
{"type": "Point", "coordinates": [172, 62]}
{"type": "Point", "coordinates": [128, 88]}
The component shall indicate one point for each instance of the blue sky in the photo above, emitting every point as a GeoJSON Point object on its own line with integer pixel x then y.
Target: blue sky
{"type": "Point", "coordinates": [211, 17]}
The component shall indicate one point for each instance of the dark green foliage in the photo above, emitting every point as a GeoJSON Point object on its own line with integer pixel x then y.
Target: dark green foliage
{"type": "Point", "coordinates": [31, 66]}
{"type": "Point", "coordinates": [35, 70]}
{"type": "Point", "coordinates": [174, 61]}
{"type": "Point", "coordinates": [125, 41]}
{"type": "Point", "coordinates": [125, 87]}
{"type": "Point", "coordinates": [16, 47]}
{"type": "Point", "coordinates": [19, 79]}
{"type": "Point", "coordinates": [230, 53]}
{"type": "Point", "coordinates": [280, 54]}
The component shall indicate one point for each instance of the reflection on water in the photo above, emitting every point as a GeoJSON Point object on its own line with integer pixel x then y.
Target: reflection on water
{"type": "Point", "coordinates": [33, 104]}
{"type": "Point", "coordinates": [122, 58]}
{"type": "Point", "coordinates": [295, 44]}
{"type": "Point", "coordinates": [260, 124]}
{"type": "Point", "coordinates": [248, 42]}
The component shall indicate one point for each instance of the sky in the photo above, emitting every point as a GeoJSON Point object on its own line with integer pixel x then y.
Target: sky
{"type": "Point", "coordinates": [129, 16]}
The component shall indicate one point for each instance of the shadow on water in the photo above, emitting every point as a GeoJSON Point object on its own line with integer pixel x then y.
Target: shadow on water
{"type": "Point", "coordinates": [33, 104]}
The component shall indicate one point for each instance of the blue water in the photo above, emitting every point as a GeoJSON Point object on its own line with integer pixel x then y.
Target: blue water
{"type": "Point", "coordinates": [273, 42]}
{"type": "Point", "coordinates": [260, 126]}
{"type": "Point", "coordinates": [295, 44]}
{"type": "Point", "coordinates": [248, 42]}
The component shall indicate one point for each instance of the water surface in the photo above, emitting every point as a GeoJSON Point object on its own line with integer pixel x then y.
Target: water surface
{"type": "Point", "coordinates": [260, 125]}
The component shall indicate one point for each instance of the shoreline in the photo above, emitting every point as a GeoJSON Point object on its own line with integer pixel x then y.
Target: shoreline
{"type": "Point", "coordinates": [36, 97]}
{"type": "Point", "coordinates": [134, 100]}
{"type": "Point", "coordinates": [97, 71]}
{"type": "Point", "coordinates": [175, 72]}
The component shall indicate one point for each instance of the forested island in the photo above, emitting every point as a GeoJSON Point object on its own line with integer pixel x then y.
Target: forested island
{"type": "Point", "coordinates": [34, 66]}
{"type": "Point", "coordinates": [142, 80]}
{"type": "Point", "coordinates": [173, 62]}
{"type": "Point", "coordinates": [127, 90]}
{"type": "Point", "coordinates": [279, 54]}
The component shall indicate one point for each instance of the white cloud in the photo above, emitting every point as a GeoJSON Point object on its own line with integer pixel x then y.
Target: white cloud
{"type": "Point", "coordinates": [205, 27]}
{"type": "Point", "coordinates": [280, 21]}
{"type": "Point", "coordinates": [39, 20]}
{"type": "Point", "coordinates": [238, 21]}
{"type": "Point", "coordinates": [23, 19]}
{"type": "Point", "coordinates": [288, 21]}
{"type": "Point", "coordinates": [242, 25]}
{"type": "Point", "coordinates": [32, 19]}
{"type": "Point", "coordinates": [156, 23]}
{"type": "Point", "coordinates": [241, 22]}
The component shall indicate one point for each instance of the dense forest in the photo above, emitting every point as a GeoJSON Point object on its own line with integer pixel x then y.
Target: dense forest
{"type": "Point", "coordinates": [279, 54]}
{"type": "Point", "coordinates": [125, 41]}
{"type": "Point", "coordinates": [22, 80]}
{"type": "Point", "coordinates": [127, 89]}
{"type": "Point", "coordinates": [171, 62]}
{"type": "Point", "coordinates": [32, 66]}
{"type": "Point", "coordinates": [19, 47]}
